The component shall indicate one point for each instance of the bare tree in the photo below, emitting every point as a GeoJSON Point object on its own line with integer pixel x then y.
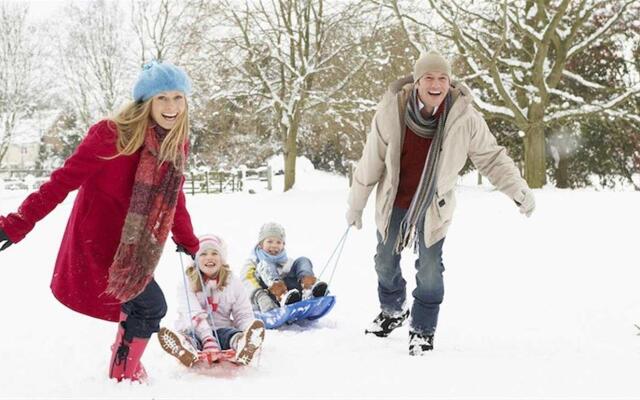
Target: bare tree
{"type": "Point", "coordinates": [277, 50]}
{"type": "Point", "coordinates": [166, 29]}
{"type": "Point", "coordinates": [337, 129]}
{"type": "Point", "coordinates": [18, 95]}
{"type": "Point", "coordinates": [519, 52]}
{"type": "Point", "coordinates": [94, 61]}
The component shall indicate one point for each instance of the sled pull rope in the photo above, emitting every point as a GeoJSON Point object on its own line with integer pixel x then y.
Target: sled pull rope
{"type": "Point", "coordinates": [338, 249]}
{"type": "Point", "coordinates": [186, 295]}
{"type": "Point", "coordinates": [208, 307]}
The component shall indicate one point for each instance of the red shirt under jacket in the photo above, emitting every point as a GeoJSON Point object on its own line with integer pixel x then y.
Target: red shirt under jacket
{"type": "Point", "coordinates": [412, 160]}
{"type": "Point", "coordinates": [414, 155]}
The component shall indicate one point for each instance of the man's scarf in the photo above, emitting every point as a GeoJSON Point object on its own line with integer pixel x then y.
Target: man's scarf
{"type": "Point", "coordinates": [433, 128]}
{"type": "Point", "coordinates": [148, 222]}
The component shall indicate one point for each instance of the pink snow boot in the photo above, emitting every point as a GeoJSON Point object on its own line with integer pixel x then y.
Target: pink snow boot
{"type": "Point", "coordinates": [125, 356]}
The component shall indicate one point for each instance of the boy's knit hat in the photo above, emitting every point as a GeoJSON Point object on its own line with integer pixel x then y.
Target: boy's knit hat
{"type": "Point", "coordinates": [160, 76]}
{"type": "Point", "coordinates": [431, 61]}
{"type": "Point", "coordinates": [214, 242]}
{"type": "Point", "coordinates": [271, 229]}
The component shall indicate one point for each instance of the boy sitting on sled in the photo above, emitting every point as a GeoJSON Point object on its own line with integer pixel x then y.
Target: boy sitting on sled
{"type": "Point", "coordinates": [272, 278]}
{"type": "Point", "coordinates": [222, 322]}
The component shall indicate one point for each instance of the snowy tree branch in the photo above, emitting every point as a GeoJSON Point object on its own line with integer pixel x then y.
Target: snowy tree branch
{"type": "Point", "coordinates": [594, 107]}
{"type": "Point", "coordinates": [576, 48]}
{"type": "Point", "coordinates": [581, 80]}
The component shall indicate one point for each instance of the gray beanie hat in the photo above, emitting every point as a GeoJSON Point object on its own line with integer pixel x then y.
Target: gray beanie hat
{"type": "Point", "coordinates": [431, 61]}
{"type": "Point", "coordinates": [271, 229]}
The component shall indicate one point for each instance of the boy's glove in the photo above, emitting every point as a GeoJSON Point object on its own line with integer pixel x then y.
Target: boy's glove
{"type": "Point", "coordinates": [307, 281]}
{"type": "Point", "coordinates": [354, 218]}
{"type": "Point", "coordinates": [4, 240]}
{"type": "Point", "coordinates": [278, 289]}
{"type": "Point", "coordinates": [525, 201]}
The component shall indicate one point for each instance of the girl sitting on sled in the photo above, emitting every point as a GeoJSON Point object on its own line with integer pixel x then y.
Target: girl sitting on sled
{"type": "Point", "coordinates": [216, 319]}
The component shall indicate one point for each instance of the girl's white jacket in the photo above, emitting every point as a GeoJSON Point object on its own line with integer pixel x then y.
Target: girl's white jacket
{"type": "Point", "coordinates": [234, 309]}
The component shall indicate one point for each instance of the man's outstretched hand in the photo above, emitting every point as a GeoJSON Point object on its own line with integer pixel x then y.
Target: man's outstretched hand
{"type": "Point", "coordinates": [526, 202]}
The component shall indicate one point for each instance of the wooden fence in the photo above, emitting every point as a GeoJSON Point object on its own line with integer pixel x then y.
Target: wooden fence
{"type": "Point", "coordinates": [226, 181]}
{"type": "Point", "coordinates": [195, 182]}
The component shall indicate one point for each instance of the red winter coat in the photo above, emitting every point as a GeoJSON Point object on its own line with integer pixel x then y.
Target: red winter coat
{"type": "Point", "coordinates": [95, 225]}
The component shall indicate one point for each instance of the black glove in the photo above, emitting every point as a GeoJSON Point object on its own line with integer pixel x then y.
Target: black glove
{"type": "Point", "coordinates": [4, 240]}
{"type": "Point", "coordinates": [181, 249]}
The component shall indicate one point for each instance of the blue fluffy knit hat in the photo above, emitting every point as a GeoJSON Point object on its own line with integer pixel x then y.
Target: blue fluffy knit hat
{"type": "Point", "coordinates": [160, 76]}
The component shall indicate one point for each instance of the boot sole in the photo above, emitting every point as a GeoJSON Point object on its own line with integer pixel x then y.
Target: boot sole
{"type": "Point", "coordinates": [419, 352]}
{"type": "Point", "coordinates": [320, 289]}
{"type": "Point", "coordinates": [392, 326]}
{"type": "Point", "coordinates": [171, 343]}
{"type": "Point", "coordinates": [250, 342]}
{"type": "Point", "coordinates": [291, 297]}
{"type": "Point", "coordinates": [376, 333]}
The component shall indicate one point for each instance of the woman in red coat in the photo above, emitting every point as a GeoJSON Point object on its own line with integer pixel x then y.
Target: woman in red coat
{"type": "Point", "coordinates": [129, 171]}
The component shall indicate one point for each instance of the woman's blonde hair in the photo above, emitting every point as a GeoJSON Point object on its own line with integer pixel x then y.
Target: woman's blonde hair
{"type": "Point", "coordinates": [195, 280]}
{"type": "Point", "coordinates": [132, 122]}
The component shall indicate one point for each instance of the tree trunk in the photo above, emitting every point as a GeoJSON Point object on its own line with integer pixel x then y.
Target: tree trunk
{"type": "Point", "coordinates": [291, 147]}
{"type": "Point", "coordinates": [3, 150]}
{"type": "Point", "coordinates": [8, 124]}
{"type": "Point", "coordinates": [562, 172]}
{"type": "Point", "coordinates": [535, 156]}
{"type": "Point", "coordinates": [290, 167]}
{"type": "Point", "coordinates": [290, 155]}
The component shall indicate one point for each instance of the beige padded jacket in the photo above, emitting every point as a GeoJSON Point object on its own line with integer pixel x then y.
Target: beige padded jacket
{"type": "Point", "coordinates": [466, 135]}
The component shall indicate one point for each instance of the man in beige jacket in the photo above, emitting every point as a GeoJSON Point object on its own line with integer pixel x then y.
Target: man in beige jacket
{"type": "Point", "coordinates": [421, 135]}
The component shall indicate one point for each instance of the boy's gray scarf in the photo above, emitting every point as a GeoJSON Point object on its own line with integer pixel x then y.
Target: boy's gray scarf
{"type": "Point", "coordinates": [433, 128]}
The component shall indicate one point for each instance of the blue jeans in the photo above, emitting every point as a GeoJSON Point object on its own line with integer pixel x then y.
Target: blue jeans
{"type": "Point", "coordinates": [392, 291]}
{"type": "Point", "coordinates": [301, 267]}
{"type": "Point", "coordinates": [144, 312]}
{"type": "Point", "coordinates": [223, 334]}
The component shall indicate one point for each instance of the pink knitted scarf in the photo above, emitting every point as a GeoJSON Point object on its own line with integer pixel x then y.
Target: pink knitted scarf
{"type": "Point", "coordinates": [148, 222]}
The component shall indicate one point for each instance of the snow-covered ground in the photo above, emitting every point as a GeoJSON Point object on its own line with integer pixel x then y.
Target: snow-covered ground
{"type": "Point", "coordinates": [534, 308]}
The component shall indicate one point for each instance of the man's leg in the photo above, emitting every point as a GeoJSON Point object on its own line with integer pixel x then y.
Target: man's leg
{"type": "Point", "coordinates": [392, 291]}
{"type": "Point", "coordinates": [392, 288]}
{"type": "Point", "coordinates": [429, 291]}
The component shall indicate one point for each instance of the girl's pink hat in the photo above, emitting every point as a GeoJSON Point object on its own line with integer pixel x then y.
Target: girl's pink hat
{"type": "Point", "coordinates": [214, 242]}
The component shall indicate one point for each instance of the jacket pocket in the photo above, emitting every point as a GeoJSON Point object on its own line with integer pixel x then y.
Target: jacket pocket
{"type": "Point", "coordinates": [445, 205]}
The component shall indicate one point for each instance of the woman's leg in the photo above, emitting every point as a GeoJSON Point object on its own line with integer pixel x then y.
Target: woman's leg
{"type": "Point", "coordinates": [140, 318]}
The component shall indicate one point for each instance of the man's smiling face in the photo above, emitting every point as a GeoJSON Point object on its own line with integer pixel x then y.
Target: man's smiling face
{"type": "Point", "coordinates": [433, 88]}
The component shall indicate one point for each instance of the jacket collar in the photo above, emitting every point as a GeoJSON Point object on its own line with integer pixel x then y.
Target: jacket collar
{"type": "Point", "coordinates": [462, 96]}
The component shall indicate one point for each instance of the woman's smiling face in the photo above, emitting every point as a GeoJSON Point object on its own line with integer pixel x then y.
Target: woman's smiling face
{"type": "Point", "coordinates": [167, 107]}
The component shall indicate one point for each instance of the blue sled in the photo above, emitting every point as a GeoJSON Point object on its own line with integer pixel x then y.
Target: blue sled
{"type": "Point", "coordinates": [309, 309]}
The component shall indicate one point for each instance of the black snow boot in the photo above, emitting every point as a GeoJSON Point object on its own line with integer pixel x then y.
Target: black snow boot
{"type": "Point", "coordinates": [385, 323]}
{"type": "Point", "coordinates": [420, 343]}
